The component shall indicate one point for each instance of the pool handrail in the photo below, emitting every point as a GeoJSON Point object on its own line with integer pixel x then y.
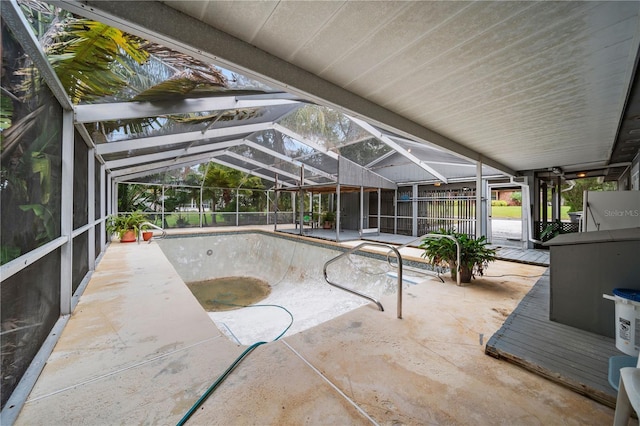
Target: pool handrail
{"type": "Point", "coordinates": [149, 224]}
{"type": "Point", "coordinates": [431, 235]}
{"type": "Point", "coordinates": [357, 293]}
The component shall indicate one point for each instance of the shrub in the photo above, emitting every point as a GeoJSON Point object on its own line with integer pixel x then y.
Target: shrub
{"type": "Point", "coordinates": [516, 199]}
{"type": "Point", "coordinates": [498, 203]}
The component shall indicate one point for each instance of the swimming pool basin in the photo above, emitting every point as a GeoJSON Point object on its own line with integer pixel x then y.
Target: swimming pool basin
{"type": "Point", "coordinates": [292, 267]}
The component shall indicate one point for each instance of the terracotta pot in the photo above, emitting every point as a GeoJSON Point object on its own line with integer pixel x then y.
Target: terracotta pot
{"type": "Point", "coordinates": [465, 273]}
{"type": "Point", "coordinates": [146, 235]}
{"type": "Point", "coordinates": [128, 236]}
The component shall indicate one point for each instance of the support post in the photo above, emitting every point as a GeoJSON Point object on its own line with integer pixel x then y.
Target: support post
{"type": "Point", "coordinates": [395, 212]}
{"type": "Point", "coordinates": [275, 207]}
{"type": "Point", "coordinates": [543, 202]}
{"type": "Point", "coordinates": [338, 212]}
{"type": "Point", "coordinates": [479, 231]}
{"type": "Point", "coordinates": [114, 194]}
{"type": "Point", "coordinates": [361, 210]}
{"type": "Point", "coordinates": [162, 212]}
{"type": "Point", "coordinates": [414, 211]}
{"type": "Point", "coordinates": [527, 220]}
{"type": "Point", "coordinates": [379, 209]}
{"type": "Point", "coordinates": [91, 207]}
{"type": "Point", "coordinates": [66, 214]}
{"type": "Point", "coordinates": [301, 213]}
{"type": "Point", "coordinates": [293, 206]}
{"type": "Point", "coordinates": [238, 206]}
{"type": "Point", "coordinates": [266, 193]}
{"type": "Point", "coordinates": [554, 201]}
{"type": "Point", "coordinates": [103, 201]}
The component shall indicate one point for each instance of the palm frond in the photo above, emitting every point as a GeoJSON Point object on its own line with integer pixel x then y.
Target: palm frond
{"type": "Point", "coordinates": [183, 84]}
{"type": "Point", "coordinates": [84, 52]}
{"type": "Point", "coordinates": [180, 62]}
{"type": "Point", "coordinates": [226, 115]}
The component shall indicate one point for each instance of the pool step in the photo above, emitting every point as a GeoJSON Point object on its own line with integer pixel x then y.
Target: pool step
{"type": "Point", "coordinates": [407, 278]}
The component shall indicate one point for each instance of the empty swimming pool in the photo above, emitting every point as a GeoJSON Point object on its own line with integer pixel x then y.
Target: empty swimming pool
{"type": "Point", "coordinates": [293, 269]}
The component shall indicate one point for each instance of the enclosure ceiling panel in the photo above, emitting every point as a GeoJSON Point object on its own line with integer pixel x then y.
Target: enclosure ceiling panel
{"type": "Point", "coordinates": [172, 154]}
{"type": "Point", "coordinates": [265, 159]}
{"type": "Point", "coordinates": [529, 84]}
{"type": "Point", "coordinates": [431, 155]}
{"type": "Point", "coordinates": [404, 172]}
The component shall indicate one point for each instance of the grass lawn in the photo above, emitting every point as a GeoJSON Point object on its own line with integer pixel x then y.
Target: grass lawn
{"type": "Point", "coordinates": [515, 212]}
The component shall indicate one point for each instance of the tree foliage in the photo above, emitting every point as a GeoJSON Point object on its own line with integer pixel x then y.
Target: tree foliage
{"type": "Point", "coordinates": [574, 196]}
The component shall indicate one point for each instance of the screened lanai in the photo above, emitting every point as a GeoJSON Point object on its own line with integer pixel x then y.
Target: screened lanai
{"type": "Point", "coordinates": [76, 131]}
{"type": "Point", "coordinates": [91, 108]}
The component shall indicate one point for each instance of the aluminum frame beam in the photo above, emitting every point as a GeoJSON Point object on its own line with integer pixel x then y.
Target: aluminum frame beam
{"type": "Point", "coordinates": [158, 141]}
{"type": "Point", "coordinates": [392, 144]}
{"type": "Point", "coordinates": [288, 159]}
{"type": "Point", "coordinates": [130, 110]}
{"type": "Point", "coordinates": [293, 135]}
{"type": "Point", "coordinates": [194, 159]}
{"type": "Point", "coordinates": [156, 170]}
{"type": "Point", "coordinates": [162, 155]}
{"type": "Point", "coordinates": [260, 175]}
{"type": "Point", "coordinates": [379, 159]}
{"type": "Point", "coordinates": [266, 167]}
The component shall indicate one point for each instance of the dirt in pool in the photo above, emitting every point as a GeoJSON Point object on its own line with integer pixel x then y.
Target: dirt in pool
{"type": "Point", "coordinates": [224, 294]}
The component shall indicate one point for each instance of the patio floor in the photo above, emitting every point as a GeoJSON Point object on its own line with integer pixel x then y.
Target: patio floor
{"type": "Point", "coordinates": [139, 349]}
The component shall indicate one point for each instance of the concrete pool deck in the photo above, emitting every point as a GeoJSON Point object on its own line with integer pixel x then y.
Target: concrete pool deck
{"type": "Point", "coordinates": [139, 349]}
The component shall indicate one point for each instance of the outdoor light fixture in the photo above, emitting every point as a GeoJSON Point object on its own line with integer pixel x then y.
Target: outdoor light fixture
{"type": "Point", "coordinates": [581, 174]}
{"type": "Point", "coordinates": [556, 170]}
{"type": "Point", "coordinates": [437, 184]}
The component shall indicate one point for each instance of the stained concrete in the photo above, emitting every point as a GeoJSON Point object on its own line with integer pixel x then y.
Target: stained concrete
{"type": "Point", "coordinates": [139, 349]}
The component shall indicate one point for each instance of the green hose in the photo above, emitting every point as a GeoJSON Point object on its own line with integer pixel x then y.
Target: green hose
{"type": "Point", "coordinates": [233, 365]}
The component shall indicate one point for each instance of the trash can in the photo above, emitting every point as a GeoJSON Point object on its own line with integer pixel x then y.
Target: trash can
{"type": "Point", "coordinates": [627, 322]}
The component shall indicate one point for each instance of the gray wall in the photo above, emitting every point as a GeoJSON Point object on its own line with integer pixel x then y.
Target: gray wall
{"type": "Point", "coordinates": [584, 266]}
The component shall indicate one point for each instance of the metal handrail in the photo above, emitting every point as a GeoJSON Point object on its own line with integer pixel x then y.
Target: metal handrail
{"type": "Point", "coordinates": [164, 233]}
{"type": "Point", "coordinates": [357, 293]}
{"type": "Point", "coordinates": [434, 236]}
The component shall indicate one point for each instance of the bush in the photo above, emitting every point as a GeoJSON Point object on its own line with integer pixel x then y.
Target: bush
{"type": "Point", "coordinates": [516, 199]}
{"type": "Point", "coordinates": [498, 203]}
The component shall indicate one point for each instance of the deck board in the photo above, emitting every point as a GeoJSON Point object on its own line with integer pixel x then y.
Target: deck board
{"type": "Point", "coordinates": [529, 256]}
{"type": "Point", "coordinates": [572, 357]}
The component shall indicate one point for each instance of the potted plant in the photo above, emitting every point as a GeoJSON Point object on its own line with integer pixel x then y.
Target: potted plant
{"type": "Point", "coordinates": [327, 219]}
{"type": "Point", "coordinates": [474, 254]}
{"type": "Point", "coordinates": [126, 226]}
{"type": "Point", "coordinates": [146, 233]}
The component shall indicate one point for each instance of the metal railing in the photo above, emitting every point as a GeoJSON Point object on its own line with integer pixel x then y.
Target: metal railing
{"type": "Point", "coordinates": [357, 293]}
{"type": "Point", "coordinates": [151, 225]}
{"type": "Point", "coordinates": [430, 236]}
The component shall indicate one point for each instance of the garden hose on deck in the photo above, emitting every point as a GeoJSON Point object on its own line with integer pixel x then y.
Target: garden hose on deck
{"type": "Point", "coordinates": [233, 365]}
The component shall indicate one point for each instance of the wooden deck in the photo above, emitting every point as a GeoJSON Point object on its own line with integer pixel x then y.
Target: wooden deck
{"type": "Point", "coordinates": [530, 256]}
{"type": "Point", "coordinates": [566, 355]}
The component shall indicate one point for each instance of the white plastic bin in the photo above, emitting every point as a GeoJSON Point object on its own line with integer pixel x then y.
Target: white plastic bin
{"type": "Point", "coordinates": [627, 321]}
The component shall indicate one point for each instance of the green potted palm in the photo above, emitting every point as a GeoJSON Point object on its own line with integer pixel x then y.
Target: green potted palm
{"type": "Point", "coordinates": [474, 254]}
{"type": "Point", "coordinates": [126, 226]}
{"type": "Point", "coordinates": [328, 218]}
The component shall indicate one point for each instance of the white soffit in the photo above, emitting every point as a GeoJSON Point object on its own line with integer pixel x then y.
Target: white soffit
{"type": "Point", "coordinates": [517, 85]}
{"type": "Point", "coordinates": [529, 84]}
